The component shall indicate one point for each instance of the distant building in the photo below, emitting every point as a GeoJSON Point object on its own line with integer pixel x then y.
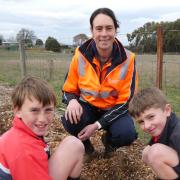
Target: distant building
{"type": "Point", "coordinates": [80, 39]}
{"type": "Point", "coordinates": [10, 45]}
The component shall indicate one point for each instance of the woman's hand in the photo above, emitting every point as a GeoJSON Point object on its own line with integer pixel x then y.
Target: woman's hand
{"type": "Point", "coordinates": [74, 111]}
{"type": "Point", "coordinates": [87, 132]}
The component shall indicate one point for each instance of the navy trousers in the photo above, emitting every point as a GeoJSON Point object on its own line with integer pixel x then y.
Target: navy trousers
{"type": "Point", "coordinates": [120, 132]}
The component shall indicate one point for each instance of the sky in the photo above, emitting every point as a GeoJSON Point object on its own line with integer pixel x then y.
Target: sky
{"type": "Point", "coordinates": [63, 19]}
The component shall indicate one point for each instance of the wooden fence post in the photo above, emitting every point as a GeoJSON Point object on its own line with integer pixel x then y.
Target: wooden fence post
{"type": "Point", "coordinates": [159, 72]}
{"type": "Point", "coordinates": [22, 57]}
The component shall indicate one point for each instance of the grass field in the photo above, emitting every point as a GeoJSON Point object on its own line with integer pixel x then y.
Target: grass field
{"type": "Point", "coordinates": [146, 65]}
{"type": "Point", "coordinates": [53, 67]}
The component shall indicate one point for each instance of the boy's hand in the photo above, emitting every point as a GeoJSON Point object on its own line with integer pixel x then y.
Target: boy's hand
{"type": "Point", "coordinates": [87, 132]}
{"type": "Point", "coordinates": [74, 111]}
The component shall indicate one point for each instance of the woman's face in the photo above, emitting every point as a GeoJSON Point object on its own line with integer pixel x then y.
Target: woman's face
{"type": "Point", "coordinates": [103, 32]}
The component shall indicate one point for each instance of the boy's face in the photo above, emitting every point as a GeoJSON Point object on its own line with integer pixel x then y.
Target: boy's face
{"type": "Point", "coordinates": [153, 120]}
{"type": "Point", "coordinates": [35, 116]}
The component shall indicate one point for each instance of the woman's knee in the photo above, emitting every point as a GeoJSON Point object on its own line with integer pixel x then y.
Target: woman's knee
{"type": "Point", "coordinates": [73, 129]}
{"type": "Point", "coordinates": [123, 131]}
{"type": "Point", "coordinates": [123, 139]}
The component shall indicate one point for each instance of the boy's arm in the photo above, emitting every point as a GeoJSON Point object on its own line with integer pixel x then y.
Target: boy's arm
{"type": "Point", "coordinates": [30, 167]}
{"type": "Point", "coordinates": [175, 140]}
{"type": "Point", "coordinates": [70, 88]}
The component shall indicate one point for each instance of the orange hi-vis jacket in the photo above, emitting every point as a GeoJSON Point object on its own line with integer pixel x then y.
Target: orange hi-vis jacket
{"type": "Point", "coordinates": [109, 87]}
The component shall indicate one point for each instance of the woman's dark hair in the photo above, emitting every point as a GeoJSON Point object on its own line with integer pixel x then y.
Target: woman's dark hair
{"type": "Point", "coordinates": [107, 12]}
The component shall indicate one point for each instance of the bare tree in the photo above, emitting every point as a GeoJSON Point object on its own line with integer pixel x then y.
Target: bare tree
{"type": "Point", "coordinates": [27, 35]}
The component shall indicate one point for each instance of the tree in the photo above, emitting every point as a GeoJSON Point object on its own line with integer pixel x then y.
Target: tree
{"type": "Point", "coordinates": [1, 39]}
{"type": "Point", "coordinates": [27, 35]}
{"type": "Point", "coordinates": [52, 44]}
{"type": "Point", "coordinates": [80, 39]}
{"type": "Point", "coordinates": [171, 36]}
{"type": "Point", "coordinates": [39, 42]}
{"type": "Point", "coordinates": [11, 39]}
{"type": "Point", "coordinates": [144, 39]}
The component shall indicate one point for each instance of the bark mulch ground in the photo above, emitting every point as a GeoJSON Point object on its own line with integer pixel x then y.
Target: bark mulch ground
{"type": "Point", "coordinates": [124, 164]}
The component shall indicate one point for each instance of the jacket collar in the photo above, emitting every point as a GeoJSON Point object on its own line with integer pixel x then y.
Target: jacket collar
{"type": "Point", "coordinates": [89, 51]}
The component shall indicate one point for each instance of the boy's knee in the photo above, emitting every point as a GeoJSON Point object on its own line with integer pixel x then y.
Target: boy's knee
{"type": "Point", "coordinates": [153, 156]}
{"type": "Point", "coordinates": [74, 143]}
{"type": "Point", "coordinates": [66, 123]}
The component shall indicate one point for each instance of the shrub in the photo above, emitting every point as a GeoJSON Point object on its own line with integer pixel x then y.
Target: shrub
{"type": "Point", "coordinates": [52, 44]}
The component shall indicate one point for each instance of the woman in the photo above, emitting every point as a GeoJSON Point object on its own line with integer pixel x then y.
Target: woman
{"type": "Point", "coordinates": [101, 81]}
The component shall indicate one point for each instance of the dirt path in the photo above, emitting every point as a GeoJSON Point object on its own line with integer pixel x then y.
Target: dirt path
{"type": "Point", "coordinates": [124, 164]}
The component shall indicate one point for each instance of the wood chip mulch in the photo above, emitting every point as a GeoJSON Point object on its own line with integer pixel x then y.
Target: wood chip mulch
{"type": "Point", "coordinates": [124, 164]}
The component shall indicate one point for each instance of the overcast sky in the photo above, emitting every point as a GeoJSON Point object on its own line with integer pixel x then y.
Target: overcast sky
{"type": "Point", "coordinates": [63, 19]}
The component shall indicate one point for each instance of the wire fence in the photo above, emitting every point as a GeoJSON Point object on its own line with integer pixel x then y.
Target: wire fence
{"type": "Point", "coordinates": [53, 66]}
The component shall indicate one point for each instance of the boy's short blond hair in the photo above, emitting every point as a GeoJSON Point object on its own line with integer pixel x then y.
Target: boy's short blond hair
{"type": "Point", "coordinates": [33, 87]}
{"type": "Point", "coordinates": [146, 99]}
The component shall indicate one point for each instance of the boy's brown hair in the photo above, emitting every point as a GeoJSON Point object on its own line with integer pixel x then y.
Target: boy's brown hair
{"type": "Point", "coordinates": [146, 99]}
{"type": "Point", "coordinates": [33, 87]}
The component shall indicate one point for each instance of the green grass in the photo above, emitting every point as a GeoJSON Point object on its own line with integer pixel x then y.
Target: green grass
{"type": "Point", "coordinates": [39, 63]}
{"type": "Point", "coordinates": [33, 55]}
{"type": "Point", "coordinates": [8, 55]}
{"type": "Point", "coordinates": [173, 96]}
{"type": "Point", "coordinates": [141, 135]}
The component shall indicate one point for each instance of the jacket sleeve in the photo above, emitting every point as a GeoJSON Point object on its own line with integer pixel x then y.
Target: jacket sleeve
{"type": "Point", "coordinates": [112, 114]}
{"type": "Point", "coordinates": [126, 91]}
{"type": "Point", "coordinates": [129, 83]}
{"type": "Point", "coordinates": [29, 166]}
{"type": "Point", "coordinates": [70, 88]}
{"type": "Point", "coordinates": [68, 96]}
